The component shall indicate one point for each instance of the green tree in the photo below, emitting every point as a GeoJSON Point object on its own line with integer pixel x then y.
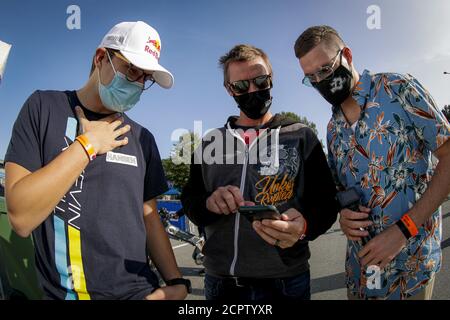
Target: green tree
{"type": "Point", "coordinates": [176, 174]}
{"type": "Point", "coordinates": [177, 167]}
{"type": "Point", "coordinates": [303, 120]}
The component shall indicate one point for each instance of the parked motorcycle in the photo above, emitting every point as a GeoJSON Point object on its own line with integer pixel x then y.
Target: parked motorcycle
{"type": "Point", "coordinates": [178, 234]}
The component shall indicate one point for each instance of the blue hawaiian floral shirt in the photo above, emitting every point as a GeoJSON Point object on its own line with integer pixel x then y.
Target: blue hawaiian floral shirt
{"type": "Point", "coordinates": [387, 157]}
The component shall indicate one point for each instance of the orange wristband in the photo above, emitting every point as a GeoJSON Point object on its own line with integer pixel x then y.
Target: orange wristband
{"type": "Point", "coordinates": [410, 225]}
{"type": "Point", "coordinates": [87, 146]}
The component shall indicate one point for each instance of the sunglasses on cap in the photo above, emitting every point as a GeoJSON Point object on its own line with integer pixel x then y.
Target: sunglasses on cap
{"type": "Point", "coordinates": [242, 86]}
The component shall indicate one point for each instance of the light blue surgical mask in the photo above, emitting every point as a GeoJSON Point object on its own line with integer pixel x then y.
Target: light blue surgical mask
{"type": "Point", "coordinates": [120, 95]}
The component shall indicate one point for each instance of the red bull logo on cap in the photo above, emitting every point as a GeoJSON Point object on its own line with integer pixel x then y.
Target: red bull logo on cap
{"type": "Point", "coordinates": [156, 44]}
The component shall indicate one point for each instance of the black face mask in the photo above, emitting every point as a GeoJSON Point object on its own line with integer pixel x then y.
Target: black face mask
{"type": "Point", "coordinates": [255, 104]}
{"type": "Point", "coordinates": [338, 88]}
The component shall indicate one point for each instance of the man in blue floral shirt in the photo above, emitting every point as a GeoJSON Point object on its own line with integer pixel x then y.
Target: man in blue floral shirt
{"type": "Point", "coordinates": [382, 134]}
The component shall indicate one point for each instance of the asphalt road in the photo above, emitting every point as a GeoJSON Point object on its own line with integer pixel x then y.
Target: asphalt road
{"type": "Point", "coordinates": [327, 265]}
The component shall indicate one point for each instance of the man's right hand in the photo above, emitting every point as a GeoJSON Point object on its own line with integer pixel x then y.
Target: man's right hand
{"type": "Point", "coordinates": [102, 134]}
{"type": "Point", "coordinates": [352, 221]}
{"type": "Point", "coordinates": [226, 200]}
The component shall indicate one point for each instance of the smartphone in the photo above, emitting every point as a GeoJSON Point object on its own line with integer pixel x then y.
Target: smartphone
{"type": "Point", "coordinates": [349, 199]}
{"type": "Point", "coordinates": [259, 212]}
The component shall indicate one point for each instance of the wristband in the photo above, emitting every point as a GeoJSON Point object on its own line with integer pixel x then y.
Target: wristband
{"type": "Point", "coordinates": [407, 226]}
{"type": "Point", "coordinates": [87, 146]}
{"type": "Point", "coordinates": [410, 225]}
{"type": "Point", "coordinates": [303, 235]}
{"type": "Point", "coordinates": [185, 282]}
{"type": "Point", "coordinates": [403, 229]}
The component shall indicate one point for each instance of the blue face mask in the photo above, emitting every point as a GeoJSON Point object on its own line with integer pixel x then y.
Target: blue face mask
{"type": "Point", "coordinates": [120, 95]}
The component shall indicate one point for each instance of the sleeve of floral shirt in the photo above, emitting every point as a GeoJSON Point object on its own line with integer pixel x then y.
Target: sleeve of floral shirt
{"type": "Point", "coordinates": [331, 161]}
{"type": "Point", "coordinates": [430, 124]}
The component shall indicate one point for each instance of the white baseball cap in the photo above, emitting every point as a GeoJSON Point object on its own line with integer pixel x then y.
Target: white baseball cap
{"type": "Point", "coordinates": [141, 45]}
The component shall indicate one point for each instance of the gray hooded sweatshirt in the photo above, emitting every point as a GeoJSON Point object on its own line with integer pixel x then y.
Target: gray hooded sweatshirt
{"type": "Point", "coordinates": [283, 166]}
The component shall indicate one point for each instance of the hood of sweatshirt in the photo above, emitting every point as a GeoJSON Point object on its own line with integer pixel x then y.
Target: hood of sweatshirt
{"type": "Point", "coordinates": [277, 121]}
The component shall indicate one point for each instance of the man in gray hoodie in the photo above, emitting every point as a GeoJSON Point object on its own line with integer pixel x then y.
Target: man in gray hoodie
{"type": "Point", "coordinates": [263, 159]}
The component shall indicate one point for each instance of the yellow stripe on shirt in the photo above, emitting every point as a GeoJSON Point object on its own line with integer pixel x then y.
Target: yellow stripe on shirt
{"type": "Point", "coordinates": [76, 264]}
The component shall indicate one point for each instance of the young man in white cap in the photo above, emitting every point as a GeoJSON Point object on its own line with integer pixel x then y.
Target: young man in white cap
{"type": "Point", "coordinates": [86, 189]}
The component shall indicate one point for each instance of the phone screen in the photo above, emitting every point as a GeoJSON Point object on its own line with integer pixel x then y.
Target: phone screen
{"type": "Point", "coordinates": [259, 212]}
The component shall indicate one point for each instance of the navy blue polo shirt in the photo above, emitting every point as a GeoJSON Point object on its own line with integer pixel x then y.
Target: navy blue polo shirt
{"type": "Point", "coordinates": [93, 244]}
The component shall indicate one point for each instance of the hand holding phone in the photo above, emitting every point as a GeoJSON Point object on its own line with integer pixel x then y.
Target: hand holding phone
{"type": "Point", "coordinates": [259, 212]}
{"type": "Point", "coordinates": [354, 221]}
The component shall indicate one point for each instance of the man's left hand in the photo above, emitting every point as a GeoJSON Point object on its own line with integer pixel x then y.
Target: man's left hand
{"type": "Point", "coordinates": [383, 248]}
{"type": "Point", "coordinates": [283, 233]}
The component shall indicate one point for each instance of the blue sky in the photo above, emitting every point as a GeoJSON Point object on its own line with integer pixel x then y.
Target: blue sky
{"type": "Point", "coordinates": [414, 38]}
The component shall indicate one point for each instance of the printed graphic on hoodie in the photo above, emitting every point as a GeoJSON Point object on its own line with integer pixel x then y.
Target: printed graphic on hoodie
{"type": "Point", "coordinates": [278, 179]}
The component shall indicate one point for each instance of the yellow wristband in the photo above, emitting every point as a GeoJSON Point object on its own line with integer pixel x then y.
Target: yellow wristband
{"type": "Point", "coordinates": [87, 146]}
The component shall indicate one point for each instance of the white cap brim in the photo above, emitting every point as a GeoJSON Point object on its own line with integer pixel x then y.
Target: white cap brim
{"type": "Point", "coordinates": [161, 75]}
